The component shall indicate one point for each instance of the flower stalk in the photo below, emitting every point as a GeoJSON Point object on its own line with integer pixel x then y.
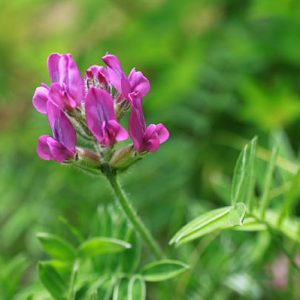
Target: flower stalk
{"type": "Point", "coordinates": [92, 107]}
{"type": "Point", "coordinates": [133, 217]}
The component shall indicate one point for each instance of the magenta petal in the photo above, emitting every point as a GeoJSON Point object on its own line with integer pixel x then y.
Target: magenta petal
{"type": "Point", "coordinates": [58, 95]}
{"type": "Point", "coordinates": [154, 136]}
{"type": "Point", "coordinates": [50, 149]}
{"type": "Point", "coordinates": [92, 72]}
{"type": "Point", "coordinates": [138, 82]}
{"type": "Point", "coordinates": [63, 70]}
{"type": "Point", "coordinates": [152, 144]}
{"type": "Point", "coordinates": [112, 62]}
{"type": "Point", "coordinates": [71, 77]}
{"type": "Point", "coordinates": [125, 85]}
{"type": "Point", "coordinates": [115, 80]}
{"type": "Point", "coordinates": [116, 75]}
{"type": "Point", "coordinates": [99, 108]}
{"type": "Point", "coordinates": [42, 148]}
{"type": "Point", "coordinates": [53, 67]}
{"type": "Point", "coordinates": [98, 73]}
{"type": "Point", "coordinates": [151, 140]}
{"type": "Point", "coordinates": [62, 128]}
{"type": "Point", "coordinates": [162, 133]}
{"type": "Point", "coordinates": [120, 133]}
{"type": "Point", "coordinates": [137, 125]}
{"type": "Point", "coordinates": [112, 132]}
{"type": "Point", "coordinates": [150, 131]}
{"type": "Point", "coordinates": [58, 151]}
{"type": "Point", "coordinates": [40, 99]}
{"type": "Point", "coordinates": [101, 119]}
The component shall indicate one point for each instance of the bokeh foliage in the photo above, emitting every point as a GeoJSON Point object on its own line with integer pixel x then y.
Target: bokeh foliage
{"type": "Point", "coordinates": [220, 71]}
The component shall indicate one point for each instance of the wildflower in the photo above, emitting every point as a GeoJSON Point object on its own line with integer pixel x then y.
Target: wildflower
{"type": "Point", "coordinates": [136, 82]}
{"type": "Point", "coordinates": [93, 107]}
{"type": "Point", "coordinates": [145, 139]}
{"type": "Point", "coordinates": [66, 90]}
{"type": "Point", "coordinates": [62, 146]}
{"type": "Point", "coordinates": [101, 119]}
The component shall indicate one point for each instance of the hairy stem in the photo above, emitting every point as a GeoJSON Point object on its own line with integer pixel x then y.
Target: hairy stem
{"type": "Point", "coordinates": [134, 218]}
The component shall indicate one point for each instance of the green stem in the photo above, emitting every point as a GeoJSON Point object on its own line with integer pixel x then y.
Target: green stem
{"type": "Point", "coordinates": [134, 218]}
{"type": "Point", "coordinates": [75, 268]}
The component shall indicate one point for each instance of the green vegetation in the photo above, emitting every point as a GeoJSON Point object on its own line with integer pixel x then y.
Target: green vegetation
{"type": "Point", "coordinates": [221, 72]}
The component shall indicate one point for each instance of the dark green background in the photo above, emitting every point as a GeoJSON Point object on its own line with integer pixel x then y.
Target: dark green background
{"type": "Point", "coordinates": [219, 70]}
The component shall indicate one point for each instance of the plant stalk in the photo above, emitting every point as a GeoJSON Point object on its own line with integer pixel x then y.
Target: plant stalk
{"type": "Point", "coordinates": [134, 218]}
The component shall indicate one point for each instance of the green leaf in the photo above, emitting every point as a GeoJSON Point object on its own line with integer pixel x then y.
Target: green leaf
{"type": "Point", "coordinates": [136, 288]}
{"type": "Point", "coordinates": [131, 258]}
{"type": "Point", "coordinates": [63, 268]}
{"type": "Point", "coordinates": [56, 247]}
{"type": "Point", "coordinates": [52, 281]}
{"type": "Point", "coordinates": [102, 245]}
{"type": "Point", "coordinates": [237, 214]}
{"type": "Point", "coordinates": [71, 229]}
{"type": "Point", "coordinates": [208, 219]}
{"type": "Point", "coordinates": [163, 270]}
{"type": "Point", "coordinates": [102, 287]}
{"type": "Point", "coordinates": [121, 290]}
{"type": "Point", "coordinates": [217, 219]}
{"type": "Point", "coordinates": [243, 176]}
{"type": "Point", "coordinates": [73, 279]}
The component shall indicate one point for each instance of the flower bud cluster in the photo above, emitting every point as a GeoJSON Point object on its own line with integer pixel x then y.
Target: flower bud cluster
{"type": "Point", "coordinates": [93, 107]}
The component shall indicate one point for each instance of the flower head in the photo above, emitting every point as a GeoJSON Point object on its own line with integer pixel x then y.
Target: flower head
{"type": "Point", "coordinates": [93, 107]}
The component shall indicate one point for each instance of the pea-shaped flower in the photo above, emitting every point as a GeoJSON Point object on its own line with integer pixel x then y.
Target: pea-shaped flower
{"type": "Point", "coordinates": [136, 82]}
{"type": "Point", "coordinates": [144, 138]}
{"type": "Point", "coordinates": [62, 146]}
{"type": "Point", "coordinates": [101, 118]}
{"type": "Point", "coordinates": [66, 90]}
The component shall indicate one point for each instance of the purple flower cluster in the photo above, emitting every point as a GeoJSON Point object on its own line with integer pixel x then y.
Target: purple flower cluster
{"type": "Point", "coordinates": [93, 106]}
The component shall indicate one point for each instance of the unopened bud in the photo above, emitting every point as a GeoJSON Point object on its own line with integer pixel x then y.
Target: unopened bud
{"type": "Point", "coordinates": [78, 121]}
{"type": "Point", "coordinates": [124, 158]}
{"type": "Point", "coordinates": [88, 159]}
{"type": "Point", "coordinates": [121, 108]}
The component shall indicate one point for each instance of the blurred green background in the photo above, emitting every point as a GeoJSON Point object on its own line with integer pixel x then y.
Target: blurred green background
{"type": "Point", "coordinates": [219, 71]}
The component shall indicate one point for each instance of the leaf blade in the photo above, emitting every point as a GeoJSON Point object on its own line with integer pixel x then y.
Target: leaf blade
{"type": "Point", "coordinates": [243, 176]}
{"type": "Point", "coordinates": [217, 219]}
{"type": "Point", "coordinates": [56, 247]}
{"type": "Point", "coordinates": [102, 245]}
{"type": "Point", "coordinates": [163, 270]}
{"type": "Point", "coordinates": [136, 288]}
{"type": "Point", "coordinates": [52, 280]}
